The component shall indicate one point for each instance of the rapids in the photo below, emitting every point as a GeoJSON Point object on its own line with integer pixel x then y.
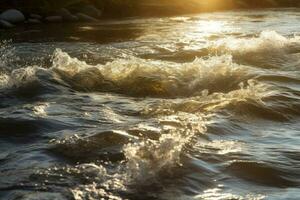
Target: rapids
{"type": "Point", "coordinates": [201, 106]}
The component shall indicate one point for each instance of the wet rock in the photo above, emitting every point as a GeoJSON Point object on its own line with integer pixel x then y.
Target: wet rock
{"type": "Point", "coordinates": [5, 24]}
{"type": "Point", "coordinates": [34, 21]}
{"type": "Point", "coordinates": [53, 18]}
{"type": "Point", "coordinates": [35, 16]}
{"type": "Point", "coordinates": [86, 18]}
{"type": "Point", "coordinates": [67, 15]}
{"type": "Point", "coordinates": [12, 16]}
{"type": "Point", "coordinates": [91, 11]}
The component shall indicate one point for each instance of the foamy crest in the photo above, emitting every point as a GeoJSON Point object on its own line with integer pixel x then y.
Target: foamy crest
{"type": "Point", "coordinates": [269, 50]}
{"type": "Point", "coordinates": [253, 91]}
{"type": "Point", "coordinates": [18, 77]}
{"type": "Point", "coordinates": [267, 40]}
{"type": "Point", "coordinates": [22, 76]}
{"type": "Point", "coordinates": [140, 77]}
{"type": "Point", "coordinates": [137, 77]}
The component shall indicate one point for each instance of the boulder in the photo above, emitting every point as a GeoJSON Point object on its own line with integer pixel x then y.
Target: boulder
{"type": "Point", "coordinates": [91, 11]}
{"type": "Point", "coordinates": [67, 15]}
{"type": "Point", "coordinates": [53, 18]}
{"type": "Point", "coordinates": [12, 16]}
{"type": "Point", "coordinates": [5, 24]}
{"type": "Point", "coordinates": [86, 18]}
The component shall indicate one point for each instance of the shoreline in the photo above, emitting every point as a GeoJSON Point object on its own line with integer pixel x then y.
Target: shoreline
{"type": "Point", "coordinates": [92, 11]}
{"type": "Point", "coordinates": [102, 31]}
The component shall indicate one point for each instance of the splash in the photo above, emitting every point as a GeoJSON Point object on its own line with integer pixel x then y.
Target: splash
{"type": "Point", "coordinates": [7, 55]}
{"type": "Point", "coordinates": [148, 158]}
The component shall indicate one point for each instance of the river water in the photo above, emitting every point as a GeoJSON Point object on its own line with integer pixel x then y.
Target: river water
{"type": "Point", "coordinates": [201, 106]}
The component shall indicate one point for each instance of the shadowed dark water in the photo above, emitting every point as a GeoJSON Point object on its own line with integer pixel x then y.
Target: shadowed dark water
{"type": "Point", "coordinates": [193, 107]}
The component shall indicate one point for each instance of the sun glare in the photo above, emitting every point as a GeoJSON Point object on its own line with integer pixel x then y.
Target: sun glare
{"type": "Point", "coordinates": [210, 27]}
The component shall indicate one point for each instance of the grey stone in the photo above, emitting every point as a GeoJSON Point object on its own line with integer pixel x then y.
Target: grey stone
{"type": "Point", "coordinates": [86, 18]}
{"type": "Point", "coordinates": [91, 11]}
{"type": "Point", "coordinates": [12, 16]}
{"type": "Point", "coordinates": [53, 18]}
{"type": "Point", "coordinates": [5, 24]}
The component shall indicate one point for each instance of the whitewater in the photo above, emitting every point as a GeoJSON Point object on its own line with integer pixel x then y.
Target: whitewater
{"type": "Point", "coordinates": [200, 106]}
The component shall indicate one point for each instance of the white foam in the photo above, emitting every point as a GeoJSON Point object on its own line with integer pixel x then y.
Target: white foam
{"type": "Point", "coordinates": [210, 103]}
{"type": "Point", "coordinates": [135, 76]}
{"type": "Point", "coordinates": [268, 41]}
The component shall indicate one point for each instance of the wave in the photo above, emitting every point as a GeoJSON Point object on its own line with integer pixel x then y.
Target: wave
{"type": "Point", "coordinates": [134, 76]}
{"type": "Point", "coordinates": [139, 77]}
{"type": "Point", "coordinates": [145, 160]}
{"type": "Point", "coordinates": [268, 50]}
{"type": "Point", "coordinates": [267, 40]}
{"type": "Point", "coordinates": [207, 103]}
{"type": "Point", "coordinates": [142, 77]}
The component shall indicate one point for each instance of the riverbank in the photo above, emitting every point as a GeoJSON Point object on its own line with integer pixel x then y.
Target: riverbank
{"type": "Point", "coordinates": [13, 13]}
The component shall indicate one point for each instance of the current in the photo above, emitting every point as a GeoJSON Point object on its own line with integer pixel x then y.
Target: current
{"type": "Point", "coordinates": [201, 107]}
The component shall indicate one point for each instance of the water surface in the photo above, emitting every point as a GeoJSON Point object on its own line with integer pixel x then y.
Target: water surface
{"type": "Point", "coordinates": [201, 106]}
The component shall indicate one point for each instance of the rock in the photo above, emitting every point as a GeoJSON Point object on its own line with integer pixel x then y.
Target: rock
{"type": "Point", "coordinates": [67, 15]}
{"type": "Point", "coordinates": [12, 16]}
{"type": "Point", "coordinates": [86, 18]}
{"type": "Point", "coordinates": [34, 21]}
{"type": "Point", "coordinates": [64, 12]}
{"type": "Point", "coordinates": [5, 24]}
{"type": "Point", "coordinates": [53, 18]}
{"type": "Point", "coordinates": [35, 16]}
{"type": "Point", "coordinates": [91, 11]}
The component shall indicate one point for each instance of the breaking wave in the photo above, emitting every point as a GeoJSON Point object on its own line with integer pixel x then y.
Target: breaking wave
{"type": "Point", "coordinates": [269, 50]}
{"type": "Point", "coordinates": [266, 42]}
{"type": "Point", "coordinates": [135, 77]}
